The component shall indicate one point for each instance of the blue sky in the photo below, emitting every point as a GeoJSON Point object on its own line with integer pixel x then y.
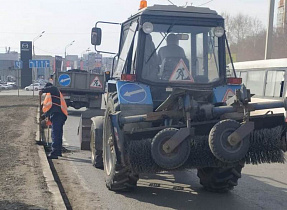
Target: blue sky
{"type": "Point", "coordinates": [68, 20]}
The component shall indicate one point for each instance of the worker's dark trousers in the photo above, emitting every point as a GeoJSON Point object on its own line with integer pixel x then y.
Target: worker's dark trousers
{"type": "Point", "coordinates": [58, 121]}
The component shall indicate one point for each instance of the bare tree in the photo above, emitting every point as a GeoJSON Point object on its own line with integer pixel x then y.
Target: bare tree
{"type": "Point", "coordinates": [241, 26]}
{"type": "Point", "coordinates": [246, 35]}
{"type": "Point", "coordinates": [227, 21]}
{"type": "Point", "coordinates": [280, 43]}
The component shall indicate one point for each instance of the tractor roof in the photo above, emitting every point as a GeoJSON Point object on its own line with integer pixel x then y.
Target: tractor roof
{"type": "Point", "coordinates": [172, 10]}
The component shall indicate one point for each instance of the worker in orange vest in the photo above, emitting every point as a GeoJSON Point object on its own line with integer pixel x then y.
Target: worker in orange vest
{"type": "Point", "coordinates": [55, 108]}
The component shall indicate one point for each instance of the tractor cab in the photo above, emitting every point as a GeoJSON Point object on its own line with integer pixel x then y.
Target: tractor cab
{"type": "Point", "coordinates": [172, 46]}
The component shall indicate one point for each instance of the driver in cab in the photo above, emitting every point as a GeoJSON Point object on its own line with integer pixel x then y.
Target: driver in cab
{"type": "Point", "coordinates": [172, 48]}
{"type": "Point", "coordinates": [169, 56]}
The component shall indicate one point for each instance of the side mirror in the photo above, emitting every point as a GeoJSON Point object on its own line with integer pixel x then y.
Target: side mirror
{"type": "Point", "coordinates": [96, 36]}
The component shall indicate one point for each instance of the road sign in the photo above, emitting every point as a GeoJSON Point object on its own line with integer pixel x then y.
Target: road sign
{"type": "Point", "coordinates": [133, 93]}
{"type": "Point", "coordinates": [96, 83]}
{"type": "Point", "coordinates": [18, 64]}
{"type": "Point", "coordinates": [180, 73]}
{"type": "Point", "coordinates": [39, 63]}
{"type": "Point", "coordinates": [228, 94]}
{"type": "Point", "coordinates": [64, 80]}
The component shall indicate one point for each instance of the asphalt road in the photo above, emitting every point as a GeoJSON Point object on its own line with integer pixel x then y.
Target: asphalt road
{"type": "Point", "coordinates": [261, 187]}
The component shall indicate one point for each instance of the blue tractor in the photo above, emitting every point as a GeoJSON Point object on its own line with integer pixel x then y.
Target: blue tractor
{"type": "Point", "coordinates": [170, 106]}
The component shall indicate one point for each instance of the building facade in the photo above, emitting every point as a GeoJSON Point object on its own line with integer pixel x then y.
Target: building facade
{"type": "Point", "coordinates": [282, 15]}
{"type": "Point", "coordinates": [71, 62]}
{"type": "Point", "coordinates": [43, 73]}
{"type": "Point", "coordinates": [7, 70]}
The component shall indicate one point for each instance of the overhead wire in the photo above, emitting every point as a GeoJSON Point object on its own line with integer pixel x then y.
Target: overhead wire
{"type": "Point", "coordinates": [205, 3]}
{"type": "Point", "coordinates": [11, 32]}
{"type": "Point", "coordinates": [170, 2]}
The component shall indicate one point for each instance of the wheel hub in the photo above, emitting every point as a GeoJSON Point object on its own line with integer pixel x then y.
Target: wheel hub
{"type": "Point", "coordinates": [226, 144]}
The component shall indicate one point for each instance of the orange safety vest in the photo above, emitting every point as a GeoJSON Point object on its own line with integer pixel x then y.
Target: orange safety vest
{"type": "Point", "coordinates": [48, 102]}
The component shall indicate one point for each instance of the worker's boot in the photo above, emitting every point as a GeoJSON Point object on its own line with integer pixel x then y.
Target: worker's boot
{"type": "Point", "coordinates": [51, 156]}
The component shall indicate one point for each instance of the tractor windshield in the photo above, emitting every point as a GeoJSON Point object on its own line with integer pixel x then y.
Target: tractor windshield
{"type": "Point", "coordinates": [181, 54]}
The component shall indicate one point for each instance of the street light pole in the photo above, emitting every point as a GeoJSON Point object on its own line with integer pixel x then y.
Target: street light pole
{"type": "Point", "coordinates": [268, 46]}
{"type": "Point", "coordinates": [66, 53]}
{"type": "Point", "coordinates": [82, 56]}
{"type": "Point", "coordinates": [34, 70]}
{"type": "Point", "coordinates": [34, 40]}
{"type": "Point", "coordinates": [67, 47]}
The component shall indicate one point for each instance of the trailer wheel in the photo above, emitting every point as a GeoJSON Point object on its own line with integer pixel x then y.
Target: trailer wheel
{"type": "Point", "coordinates": [220, 179]}
{"type": "Point", "coordinates": [171, 160]}
{"type": "Point", "coordinates": [117, 177]}
{"type": "Point", "coordinates": [96, 153]}
{"type": "Point", "coordinates": [219, 145]}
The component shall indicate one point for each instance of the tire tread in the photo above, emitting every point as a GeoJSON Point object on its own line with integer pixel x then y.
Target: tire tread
{"type": "Point", "coordinates": [219, 179]}
{"type": "Point", "coordinates": [121, 178]}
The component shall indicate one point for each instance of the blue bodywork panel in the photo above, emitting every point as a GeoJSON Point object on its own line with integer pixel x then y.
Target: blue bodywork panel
{"type": "Point", "coordinates": [133, 93]}
{"type": "Point", "coordinates": [223, 93]}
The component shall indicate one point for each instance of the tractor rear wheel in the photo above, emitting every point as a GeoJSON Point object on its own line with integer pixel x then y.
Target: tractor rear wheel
{"type": "Point", "coordinates": [220, 179]}
{"type": "Point", "coordinates": [118, 177]}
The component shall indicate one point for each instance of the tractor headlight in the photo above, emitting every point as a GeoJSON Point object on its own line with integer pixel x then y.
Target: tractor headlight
{"type": "Point", "coordinates": [219, 31]}
{"type": "Point", "coordinates": [148, 27]}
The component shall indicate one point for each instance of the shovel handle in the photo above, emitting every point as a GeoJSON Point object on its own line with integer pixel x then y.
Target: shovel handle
{"type": "Point", "coordinates": [40, 113]}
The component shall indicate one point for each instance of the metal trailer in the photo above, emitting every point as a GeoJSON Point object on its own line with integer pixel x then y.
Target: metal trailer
{"type": "Point", "coordinates": [82, 89]}
{"type": "Point", "coordinates": [180, 110]}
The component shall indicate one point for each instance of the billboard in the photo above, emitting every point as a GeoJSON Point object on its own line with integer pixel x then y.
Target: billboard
{"type": "Point", "coordinates": [58, 63]}
{"type": "Point", "coordinates": [26, 55]}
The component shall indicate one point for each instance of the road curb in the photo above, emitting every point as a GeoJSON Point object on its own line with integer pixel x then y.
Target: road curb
{"type": "Point", "coordinates": [58, 202]}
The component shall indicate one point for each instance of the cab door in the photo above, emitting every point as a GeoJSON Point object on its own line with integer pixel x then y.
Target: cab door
{"type": "Point", "coordinates": [275, 83]}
